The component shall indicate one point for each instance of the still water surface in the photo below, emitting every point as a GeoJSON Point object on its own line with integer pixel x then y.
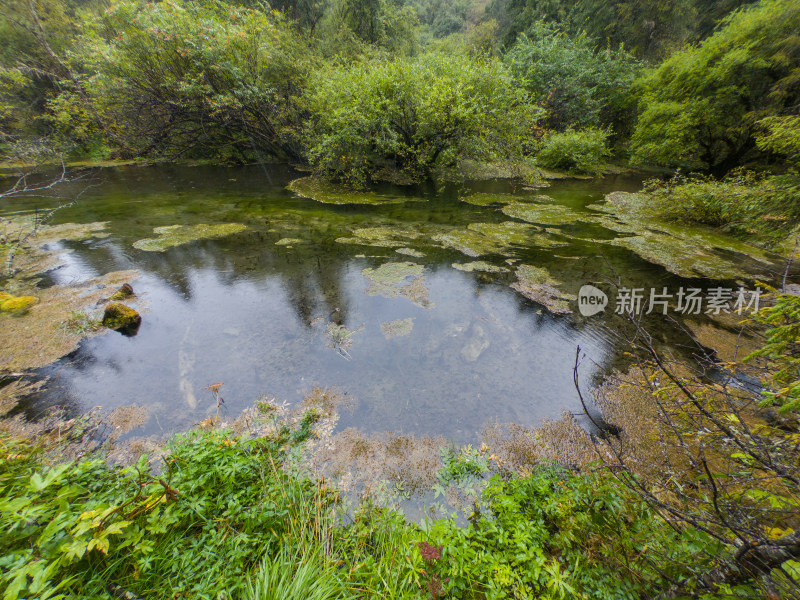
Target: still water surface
{"type": "Point", "coordinates": [254, 314]}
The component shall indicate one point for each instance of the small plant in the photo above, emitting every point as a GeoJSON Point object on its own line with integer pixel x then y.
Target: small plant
{"type": "Point", "coordinates": [574, 151]}
{"type": "Point", "coordinates": [214, 388]}
{"type": "Point", "coordinates": [81, 323]}
{"type": "Point", "coordinates": [341, 338]}
{"type": "Point", "coordinates": [465, 465]}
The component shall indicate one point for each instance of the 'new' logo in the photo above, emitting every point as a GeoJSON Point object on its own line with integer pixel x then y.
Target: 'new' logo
{"type": "Point", "coordinates": [591, 300]}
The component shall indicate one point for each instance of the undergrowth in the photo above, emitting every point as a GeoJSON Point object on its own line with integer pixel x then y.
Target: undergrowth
{"type": "Point", "coordinates": [223, 519]}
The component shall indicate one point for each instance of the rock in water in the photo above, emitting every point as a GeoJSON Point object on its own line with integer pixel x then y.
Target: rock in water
{"type": "Point", "coordinates": [125, 291]}
{"type": "Point", "coordinates": [121, 318]}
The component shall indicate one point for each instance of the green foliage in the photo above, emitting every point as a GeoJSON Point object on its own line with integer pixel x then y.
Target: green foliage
{"type": "Point", "coordinates": [192, 79]}
{"type": "Point", "coordinates": [573, 151]}
{"type": "Point", "coordinates": [651, 29]}
{"type": "Point", "coordinates": [701, 107]}
{"type": "Point", "coordinates": [465, 464]}
{"type": "Point", "coordinates": [744, 204]}
{"type": "Point", "coordinates": [412, 114]}
{"type": "Point", "coordinates": [782, 351]}
{"type": "Point", "coordinates": [297, 575]}
{"type": "Point", "coordinates": [578, 84]}
{"type": "Point", "coordinates": [782, 136]}
{"type": "Point", "coordinates": [196, 530]}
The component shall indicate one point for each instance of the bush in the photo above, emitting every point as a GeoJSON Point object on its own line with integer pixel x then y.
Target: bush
{"type": "Point", "coordinates": [574, 151]}
{"type": "Point", "coordinates": [412, 114]}
{"type": "Point", "coordinates": [744, 204]}
{"type": "Point", "coordinates": [194, 79]}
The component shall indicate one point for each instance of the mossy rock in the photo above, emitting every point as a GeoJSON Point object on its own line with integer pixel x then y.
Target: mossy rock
{"type": "Point", "coordinates": [119, 317]}
{"type": "Point", "coordinates": [125, 291]}
{"type": "Point", "coordinates": [18, 303]}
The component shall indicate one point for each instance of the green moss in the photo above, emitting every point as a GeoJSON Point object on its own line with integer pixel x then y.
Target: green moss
{"type": "Point", "coordinates": [410, 252]}
{"type": "Point", "coordinates": [289, 242]}
{"type": "Point", "coordinates": [397, 328]}
{"type": "Point", "coordinates": [5, 296]}
{"type": "Point", "coordinates": [546, 214]}
{"type": "Point", "coordinates": [470, 243]}
{"type": "Point", "coordinates": [383, 236]}
{"type": "Point", "coordinates": [479, 265]}
{"type": "Point", "coordinates": [19, 303]}
{"type": "Point", "coordinates": [118, 316]}
{"type": "Point", "coordinates": [633, 213]}
{"type": "Point", "coordinates": [511, 233]}
{"type": "Point", "coordinates": [331, 193]}
{"type": "Point", "coordinates": [538, 285]}
{"type": "Point", "coordinates": [678, 256]}
{"type": "Point", "coordinates": [125, 291]}
{"type": "Point", "coordinates": [390, 275]}
{"type": "Point", "coordinates": [175, 235]}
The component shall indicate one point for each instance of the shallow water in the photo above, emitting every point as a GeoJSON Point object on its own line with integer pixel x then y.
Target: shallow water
{"type": "Point", "coordinates": [253, 309]}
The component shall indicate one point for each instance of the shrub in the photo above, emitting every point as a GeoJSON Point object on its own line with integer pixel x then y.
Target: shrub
{"type": "Point", "coordinates": [574, 151]}
{"type": "Point", "coordinates": [743, 203]}
{"type": "Point", "coordinates": [412, 114]}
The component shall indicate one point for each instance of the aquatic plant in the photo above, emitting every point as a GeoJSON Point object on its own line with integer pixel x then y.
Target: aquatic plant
{"type": "Point", "coordinates": [176, 235]}
{"type": "Point", "coordinates": [536, 284]}
{"type": "Point", "coordinates": [341, 338]}
{"type": "Point", "coordinates": [316, 188]}
{"type": "Point", "coordinates": [397, 328]}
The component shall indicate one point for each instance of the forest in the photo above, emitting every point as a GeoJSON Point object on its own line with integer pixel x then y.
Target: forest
{"type": "Point", "coordinates": [682, 480]}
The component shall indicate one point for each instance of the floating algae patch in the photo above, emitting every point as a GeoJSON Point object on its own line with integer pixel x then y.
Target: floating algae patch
{"type": "Point", "coordinates": [331, 193]}
{"type": "Point", "coordinates": [537, 284]}
{"type": "Point", "coordinates": [175, 235]}
{"type": "Point", "coordinates": [479, 265]}
{"type": "Point", "coordinates": [383, 236]}
{"type": "Point", "coordinates": [680, 256]}
{"type": "Point", "coordinates": [484, 199]}
{"type": "Point", "coordinates": [633, 213]}
{"type": "Point", "coordinates": [507, 232]}
{"type": "Point", "coordinates": [397, 328]}
{"type": "Point", "coordinates": [391, 280]}
{"type": "Point", "coordinates": [410, 252]}
{"type": "Point", "coordinates": [471, 243]}
{"type": "Point", "coordinates": [546, 214]}
{"type": "Point", "coordinates": [289, 242]}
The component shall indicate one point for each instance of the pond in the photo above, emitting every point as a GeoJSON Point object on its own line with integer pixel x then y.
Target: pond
{"type": "Point", "coordinates": [403, 301]}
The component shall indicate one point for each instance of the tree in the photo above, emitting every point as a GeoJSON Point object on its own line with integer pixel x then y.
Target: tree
{"type": "Point", "coordinates": [700, 109]}
{"type": "Point", "coordinates": [578, 84]}
{"type": "Point", "coordinates": [192, 80]}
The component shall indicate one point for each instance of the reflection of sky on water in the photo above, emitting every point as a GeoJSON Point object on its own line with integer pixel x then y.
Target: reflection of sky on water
{"type": "Point", "coordinates": [252, 314]}
{"type": "Point", "coordinates": [481, 353]}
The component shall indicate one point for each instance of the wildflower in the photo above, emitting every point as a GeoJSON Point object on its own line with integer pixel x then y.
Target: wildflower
{"type": "Point", "coordinates": [430, 553]}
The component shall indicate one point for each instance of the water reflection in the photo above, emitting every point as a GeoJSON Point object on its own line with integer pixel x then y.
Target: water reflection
{"type": "Point", "coordinates": [253, 314]}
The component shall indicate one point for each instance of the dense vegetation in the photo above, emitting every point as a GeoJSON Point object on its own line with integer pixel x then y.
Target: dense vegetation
{"type": "Point", "coordinates": [404, 90]}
